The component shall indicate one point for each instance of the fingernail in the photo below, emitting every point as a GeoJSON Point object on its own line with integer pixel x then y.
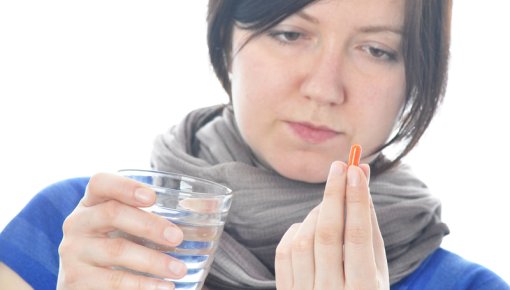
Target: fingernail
{"type": "Point", "coordinates": [176, 267]}
{"type": "Point", "coordinates": [336, 169]}
{"type": "Point", "coordinates": [173, 235]}
{"type": "Point", "coordinates": [144, 195]}
{"type": "Point", "coordinates": [353, 176]}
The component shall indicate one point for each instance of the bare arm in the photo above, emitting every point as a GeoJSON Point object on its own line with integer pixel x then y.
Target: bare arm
{"type": "Point", "coordinates": [10, 280]}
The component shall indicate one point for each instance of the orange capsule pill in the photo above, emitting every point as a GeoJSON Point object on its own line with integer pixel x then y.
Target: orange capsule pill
{"type": "Point", "coordinates": [355, 155]}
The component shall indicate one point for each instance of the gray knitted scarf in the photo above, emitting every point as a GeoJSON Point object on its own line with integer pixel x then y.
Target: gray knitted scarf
{"type": "Point", "coordinates": [207, 144]}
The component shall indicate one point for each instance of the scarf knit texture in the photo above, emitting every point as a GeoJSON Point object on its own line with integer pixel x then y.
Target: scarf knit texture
{"type": "Point", "coordinates": [207, 144]}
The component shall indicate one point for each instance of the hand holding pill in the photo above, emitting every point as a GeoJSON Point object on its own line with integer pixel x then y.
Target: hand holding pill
{"type": "Point", "coordinates": [339, 244]}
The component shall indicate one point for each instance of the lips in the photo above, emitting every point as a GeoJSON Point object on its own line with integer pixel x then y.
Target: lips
{"type": "Point", "coordinates": [311, 133]}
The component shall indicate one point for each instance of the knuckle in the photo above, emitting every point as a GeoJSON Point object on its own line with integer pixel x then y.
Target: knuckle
{"type": "Point", "coordinates": [111, 211]}
{"type": "Point", "coordinates": [65, 247]}
{"type": "Point", "coordinates": [282, 252]}
{"type": "Point", "coordinates": [70, 276]}
{"type": "Point", "coordinates": [356, 235]}
{"type": "Point", "coordinates": [355, 196]}
{"type": "Point", "coordinates": [152, 225]}
{"type": "Point", "coordinates": [154, 261]}
{"type": "Point", "coordinates": [68, 224]}
{"type": "Point", "coordinates": [140, 283]}
{"type": "Point", "coordinates": [94, 182]}
{"type": "Point", "coordinates": [115, 247]}
{"type": "Point", "coordinates": [302, 244]}
{"type": "Point", "coordinates": [327, 234]}
{"type": "Point", "coordinates": [116, 279]}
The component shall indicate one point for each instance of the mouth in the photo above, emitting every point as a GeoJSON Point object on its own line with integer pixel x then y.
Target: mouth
{"type": "Point", "coordinates": [311, 133]}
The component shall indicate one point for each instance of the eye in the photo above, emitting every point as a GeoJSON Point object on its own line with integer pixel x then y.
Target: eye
{"type": "Point", "coordinates": [285, 37]}
{"type": "Point", "coordinates": [379, 53]}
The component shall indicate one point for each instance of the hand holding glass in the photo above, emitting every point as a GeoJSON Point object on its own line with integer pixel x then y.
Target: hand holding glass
{"type": "Point", "coordinates": [198, 207]}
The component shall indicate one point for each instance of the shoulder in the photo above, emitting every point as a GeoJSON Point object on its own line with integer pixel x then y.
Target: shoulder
{"type": "Point", "coordinates": [446, 270]}
{"type": "Point", "coordinates": [29, 243]}
{"type": "Point", "coordinates": [53, 203]}
{"type": "Point", "coordinates": [66, 188]}
{"type": "Point", "coordinates": [68, 192]}
{"type": "Point", "coordinates": [56, 200]}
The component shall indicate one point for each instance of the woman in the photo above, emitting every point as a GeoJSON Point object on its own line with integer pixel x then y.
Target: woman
{"type": "Point", "coordinates": [306, 79]}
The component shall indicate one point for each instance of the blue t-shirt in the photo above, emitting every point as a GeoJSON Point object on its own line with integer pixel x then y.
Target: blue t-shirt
{"type": "Point", "coordinates": [29, 246]}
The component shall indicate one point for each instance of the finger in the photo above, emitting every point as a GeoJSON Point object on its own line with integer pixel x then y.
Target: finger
{"type": "Point", "coordinates": [105, 186]}
{"type": "Point", "coordinates": [303, 252]}
{"type": "Point", "coordinates": [328, 246]}
{"type": "Point", "coordinates": [283, 260]}
{"type": "Point", "coordinates": [380, 253]}
{"type": "Point", "coordinates": [360, 268]}
{"type": "Point", "coordinates": [112, 279]}
{"type": "Point", "coordinates": [104, 218]}
{"type": "Point", "coordinates": [120, 252]}
{"type": "Point", "coordinates": [379, 250]}
{"type": "Point", "coordinates": [366, 171]}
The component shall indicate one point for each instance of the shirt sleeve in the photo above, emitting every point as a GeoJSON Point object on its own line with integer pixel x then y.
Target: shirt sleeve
{"type": "Point", "coordinates": [29, 243]}
{"type": "Point", "coordinates": [446, 270]}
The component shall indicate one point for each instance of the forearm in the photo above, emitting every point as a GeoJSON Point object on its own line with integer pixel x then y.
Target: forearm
{"type": "Point", "coordinates": [10, 280]}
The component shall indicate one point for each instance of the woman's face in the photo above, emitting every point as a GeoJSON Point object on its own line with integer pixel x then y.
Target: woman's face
{"type": "Point", "coordinates": [324, 78]}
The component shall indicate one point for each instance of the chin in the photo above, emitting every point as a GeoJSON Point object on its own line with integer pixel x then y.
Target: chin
{"type": "Point", "coordinates": [309, 173]}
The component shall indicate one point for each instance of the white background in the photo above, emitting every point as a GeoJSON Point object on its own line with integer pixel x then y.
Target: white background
{"type": "Point", "coordinates": [85, 86]}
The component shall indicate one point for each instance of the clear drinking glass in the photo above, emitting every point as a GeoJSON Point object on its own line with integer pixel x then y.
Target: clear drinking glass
{"type": "Point", "coordinates": [199, 207]}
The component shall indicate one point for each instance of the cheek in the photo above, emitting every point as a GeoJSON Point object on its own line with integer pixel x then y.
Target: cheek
{"type": "Point", "coordinates": [248, 79]}
{"type": "Point", "coordinates": [389, 102]}
{"type": "Point", "coordinates": [388, 92]}
{"type": "Point", "coordinates": [251, 92]}
{"type": "Point", "coordinates": [260, 85]}
{"type": "Point", "coordinates": [381, 109]}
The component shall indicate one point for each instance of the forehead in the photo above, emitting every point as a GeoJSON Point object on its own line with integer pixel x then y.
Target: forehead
{"type": "Point", "coordinates": [387, 12]}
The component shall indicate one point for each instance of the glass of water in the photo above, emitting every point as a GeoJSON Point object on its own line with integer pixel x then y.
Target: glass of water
{"type": "Point", "coordinates": [198, 207]}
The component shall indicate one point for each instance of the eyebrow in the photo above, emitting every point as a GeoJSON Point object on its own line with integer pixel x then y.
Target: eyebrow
{"type": "Point", "coordinates": [380, 29]}
{"type": "Point", "coordinates": [307, 17]}
{"type": "Point", "coordinates": [366, 29]}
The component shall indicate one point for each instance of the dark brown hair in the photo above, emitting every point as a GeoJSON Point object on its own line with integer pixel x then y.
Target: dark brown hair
{"type": "Point", "coordinates": [425, 47]}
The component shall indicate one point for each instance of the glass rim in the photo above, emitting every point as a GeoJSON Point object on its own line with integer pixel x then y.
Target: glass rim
{"type": "Point", "coordinates": [141, 172]}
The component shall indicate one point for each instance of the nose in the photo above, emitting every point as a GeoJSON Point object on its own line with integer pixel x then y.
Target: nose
{"type": "Point", "coordinates": [323, 82]}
